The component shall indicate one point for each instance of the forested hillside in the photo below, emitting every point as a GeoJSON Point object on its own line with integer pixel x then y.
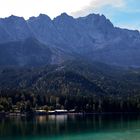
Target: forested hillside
{"type": "Point", "coordinates": [80, 85]}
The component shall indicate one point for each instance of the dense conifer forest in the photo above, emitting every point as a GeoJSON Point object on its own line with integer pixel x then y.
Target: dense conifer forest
{"type": "Point", "coordinates": [79, 85]}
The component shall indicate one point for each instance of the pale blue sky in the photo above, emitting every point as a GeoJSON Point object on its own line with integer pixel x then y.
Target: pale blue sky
{"type": "Point", "coordinates": [127, 16]}
{"type": "Point", "coordinates": [122, 13]}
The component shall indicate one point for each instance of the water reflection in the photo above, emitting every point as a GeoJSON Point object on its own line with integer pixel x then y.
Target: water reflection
{"type": "Point", "coordinates": [58, 118]}
{"type": "Point", "coordinates": [62, 125]}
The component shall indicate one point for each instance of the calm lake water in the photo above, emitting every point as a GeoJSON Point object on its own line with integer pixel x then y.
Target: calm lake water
{"type": "Point", "coordinates": [71, 127]}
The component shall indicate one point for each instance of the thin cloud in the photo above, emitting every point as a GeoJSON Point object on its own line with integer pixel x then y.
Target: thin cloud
{"type": "Point", "coordinates": [130, 26]}
{"type": "Point", "coordinates": [95, 5]}
{"type": "Point", "coordinates": [27, 8]}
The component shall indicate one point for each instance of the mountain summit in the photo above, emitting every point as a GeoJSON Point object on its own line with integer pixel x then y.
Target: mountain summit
{"type": "Point", "coordinates": [92, 37]}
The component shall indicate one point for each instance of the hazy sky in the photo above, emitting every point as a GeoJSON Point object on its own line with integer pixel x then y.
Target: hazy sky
{"type": "Point", "coordinates": [123, 13]}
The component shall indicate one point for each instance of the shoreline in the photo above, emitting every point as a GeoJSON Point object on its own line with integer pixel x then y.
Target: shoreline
{"type": "Point", "coordinates": [7, 114]}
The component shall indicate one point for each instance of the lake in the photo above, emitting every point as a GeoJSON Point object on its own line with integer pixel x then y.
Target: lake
{"type": "Point", "coordinates": [71, 127]}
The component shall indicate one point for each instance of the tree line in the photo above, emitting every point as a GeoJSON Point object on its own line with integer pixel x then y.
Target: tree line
{"type": "Point", "coordinates": [26, 102]}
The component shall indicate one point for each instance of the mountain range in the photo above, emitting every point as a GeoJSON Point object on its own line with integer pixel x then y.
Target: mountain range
{"type": "Point", "coordinates": [68, 56]}
{"type": "Point", "coordinates": [42, 41]}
